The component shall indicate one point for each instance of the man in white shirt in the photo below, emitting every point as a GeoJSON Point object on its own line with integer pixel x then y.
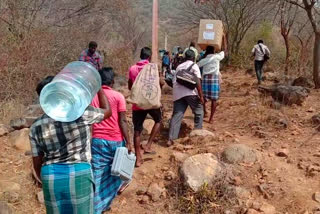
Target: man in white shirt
{"type": "Point", "coordinates": [258, 52]}
{"type": "Point", "coordinates": [184, 97]}
{"type": "Point", "coordinates": [211, 78]}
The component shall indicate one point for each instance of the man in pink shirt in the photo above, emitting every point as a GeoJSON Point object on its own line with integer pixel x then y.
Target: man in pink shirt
{"type": "Point", "coordinates": [139, 115]}
{"type": "Point", "coordinates": [107, 137]}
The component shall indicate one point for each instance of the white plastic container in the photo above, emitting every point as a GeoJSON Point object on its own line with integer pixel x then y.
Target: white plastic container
{"type": "Point", "coordinates": [123, 164]}
{"type": "Point", "coordinates": [70, 92]}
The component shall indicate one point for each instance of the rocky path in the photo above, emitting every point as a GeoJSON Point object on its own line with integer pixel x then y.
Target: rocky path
{"type": "Point", "coordinates": [283, 177]}
{"type": "Point", "coordinates": [284, 140]}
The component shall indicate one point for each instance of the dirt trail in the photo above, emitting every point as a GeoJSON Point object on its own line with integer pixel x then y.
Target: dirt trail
{"type": "Point", "coordinates": [243, 116]}
{"type": "Point", "coordinates": [287, 187]}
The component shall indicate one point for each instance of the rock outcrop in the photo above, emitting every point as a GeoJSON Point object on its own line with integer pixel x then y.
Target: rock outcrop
{"type": "Point", "coordinates": [200, 169]}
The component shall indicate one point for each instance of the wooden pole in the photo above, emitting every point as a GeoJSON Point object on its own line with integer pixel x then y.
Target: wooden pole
{"type": "Point", "coordinates": [166, 41]}
{"type": "Point", "coordinates": [155, 21]}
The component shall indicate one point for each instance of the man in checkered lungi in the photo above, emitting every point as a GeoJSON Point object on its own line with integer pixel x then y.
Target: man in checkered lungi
{"type": "Point", "coordinates": [211, 78]}
{"type": "Point", "coordinates": [61, 154]}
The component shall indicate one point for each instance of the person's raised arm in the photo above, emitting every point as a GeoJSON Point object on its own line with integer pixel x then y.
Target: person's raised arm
{"type": "Point", "coordinates": [220, 56]}
{"type": "Point", "coordinates": [104, 104]}
{"type": "Point", "coordinates": [203, 62]}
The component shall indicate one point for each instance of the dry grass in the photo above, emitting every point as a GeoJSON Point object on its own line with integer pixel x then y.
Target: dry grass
{"type": "Point", "coordinates": [25, 62]}
{"type": "Point", "coordinates": [215, 198]}
{"type": "Point", "coordinates": [10, 109]}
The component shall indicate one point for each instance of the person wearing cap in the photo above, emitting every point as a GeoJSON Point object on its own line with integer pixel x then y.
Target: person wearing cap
{"type": "Point", "coordinates": [184, 97]}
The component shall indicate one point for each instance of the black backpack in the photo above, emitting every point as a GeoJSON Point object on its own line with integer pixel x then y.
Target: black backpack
{"type": "Point", "coordinates": [187, 78]}
{"type": "Point", "coordinates": [266, 57]}
{"type": "Point", "coordinates": [169, 78]}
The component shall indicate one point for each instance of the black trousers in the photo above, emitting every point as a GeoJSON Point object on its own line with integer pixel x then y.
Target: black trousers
{"type": "Point", "coordinates": [258, 65]}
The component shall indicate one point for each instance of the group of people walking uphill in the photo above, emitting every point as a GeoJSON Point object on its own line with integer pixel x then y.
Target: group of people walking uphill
{"type": "Point", "coordinates": [74, 159]}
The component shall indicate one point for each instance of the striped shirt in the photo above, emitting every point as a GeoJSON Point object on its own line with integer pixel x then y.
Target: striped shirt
{"type": "Point", "coordinates": [64, 142]}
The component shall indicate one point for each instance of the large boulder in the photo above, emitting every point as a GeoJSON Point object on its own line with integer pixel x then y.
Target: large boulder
{"type": "Point", "coordinates": [9, 191]}
{"type": "Point", "coordinates": [239, 153]}
{"type": "Point", "coordinates": [316, 119]}
{"type": "Point", "coordinates": [34, 111]}
{"type": "Point", "coordinates": [272, 76]}
{"type": "Point", "coordinates": [30, 115]}
{"type": "Point", "coordinates": [251, 72]}
{"type": "Point", "coordinates": [4, 130]}
{"type": "Point", "coordinates": [201, 133]}
{"type": "Point", "coordinates": [289, 95]}
{"type": "Point", "coordinates": [303, 82]}
{"type": "Point", "coordinates": [156, 192]}
{"type": "Point", "coordinates": [148, 125]}
{"type": "Point", "coordinates": [5, 208]}
{"type": "Point", "coordinates": [201, 169]}
{"type": "Point", "coordinates": [20, 140]}
{"type": "Point", "coordinates": [185, 129]}
{"type": "Point", "coordinates": [8, 186]}
{"type": "Point", "coordinates": [286, 94]}
{"type": "Point", "coordinates": [267, 209]}
{"type": "Point", "coordinates": [179, 157]}
{"type": "Point", "coordinates": [22, 123]}
{"type": "Point", "coordinates": [239, 192]}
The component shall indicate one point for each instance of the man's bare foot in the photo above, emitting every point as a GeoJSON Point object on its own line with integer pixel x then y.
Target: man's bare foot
{"type": "Point", "coordinates": [148, 150]}
{"type": "Point", "coordinates": [123, 187]}
{"type": "Point", "coordinates": [139, 163]}
{"type": "Point", "coordinates": [170, 143]}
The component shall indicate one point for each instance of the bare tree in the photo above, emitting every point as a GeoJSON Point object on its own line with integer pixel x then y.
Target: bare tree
{"type": "Point", "coordinates": [288, 14]}
{"type": "Point", "coordinates": [312, 9]}
{"type": "Point", "coordinates": [304, 33]}
{"type": "Point", "coordinates": [127, 23]}
{"type": "Point", "coordinates": [21, 16]}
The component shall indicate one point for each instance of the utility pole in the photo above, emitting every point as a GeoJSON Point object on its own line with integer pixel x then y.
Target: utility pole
{"type": "Point", "coordinates": [155, 17]}
{"type": "Point", "coordinates": [166, 41]}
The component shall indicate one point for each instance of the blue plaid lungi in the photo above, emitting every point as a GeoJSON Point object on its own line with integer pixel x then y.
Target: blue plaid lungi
{"type": "Point", "coordinates": [107, 186]}
{"type": "Point", "coordinates": [211, 86]}
{"type": "Point", "coordinates": [68, 188]}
